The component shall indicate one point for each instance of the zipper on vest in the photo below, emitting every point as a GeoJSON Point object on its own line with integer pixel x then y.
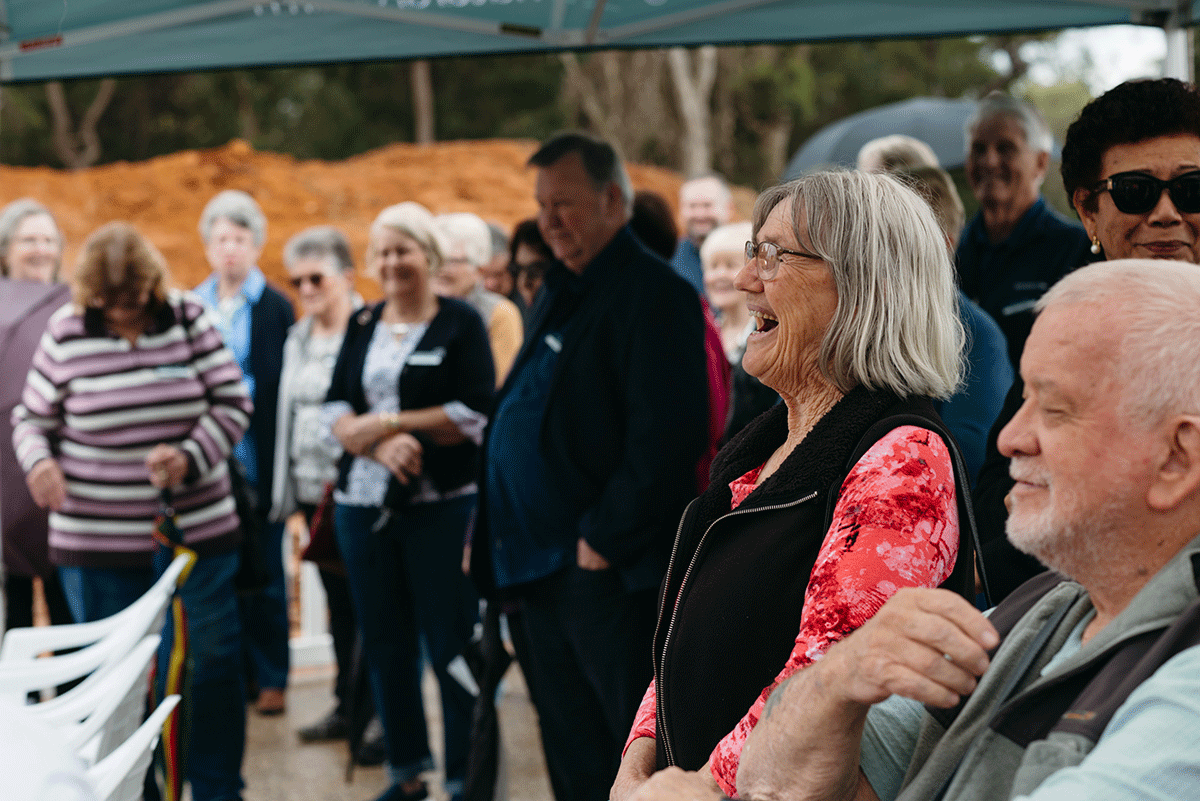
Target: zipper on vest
{"type": "Point", "coordinates": [661, 728]}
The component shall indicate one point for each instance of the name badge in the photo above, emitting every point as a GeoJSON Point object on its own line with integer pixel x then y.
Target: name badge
{"type": "Point", "coordinates": [555, 342]}
{"type": "Point", "coordinates": [427, 358]}
{"type": "Point", "coordinates": [170, 372]}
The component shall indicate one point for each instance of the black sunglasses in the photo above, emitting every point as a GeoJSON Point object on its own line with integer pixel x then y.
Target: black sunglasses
{"type": "Point", "coordinates": [1138, 193]}
{"type": "Point", "coordinates": [315, 279]}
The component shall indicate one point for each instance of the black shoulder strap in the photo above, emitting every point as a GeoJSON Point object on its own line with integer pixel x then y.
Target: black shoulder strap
{"type": "Point", "coordinates": [962, 579]}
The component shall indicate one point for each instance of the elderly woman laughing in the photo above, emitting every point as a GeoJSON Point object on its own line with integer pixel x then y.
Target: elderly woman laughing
{"type": "Point", "coordinates": [830, 502]}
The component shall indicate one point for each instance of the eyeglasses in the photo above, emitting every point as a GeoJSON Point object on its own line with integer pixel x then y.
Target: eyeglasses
{"type": "Point", "coordinates": [1139, 193]}
{"type": "Point", "coordinates": [768, 254]}
{"type": "Point", "coordinates": [315, 279]}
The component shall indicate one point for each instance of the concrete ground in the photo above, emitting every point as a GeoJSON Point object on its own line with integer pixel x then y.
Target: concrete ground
{"type": "Point", "coordinates": [278, 767]}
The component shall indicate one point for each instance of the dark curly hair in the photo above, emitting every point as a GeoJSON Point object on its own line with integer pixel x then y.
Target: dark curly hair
{"type": "Point", "coordinates": [1132, 112]}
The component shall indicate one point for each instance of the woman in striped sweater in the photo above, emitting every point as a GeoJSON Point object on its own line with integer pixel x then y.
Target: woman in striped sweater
{"type": "Point", "coordinates": [132, 392]}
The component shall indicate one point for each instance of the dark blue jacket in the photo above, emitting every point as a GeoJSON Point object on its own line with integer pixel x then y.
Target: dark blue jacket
{"type": "Point", "coordinates": [270, 319]}
{"type": "Point", "coordinates": [627, 413]}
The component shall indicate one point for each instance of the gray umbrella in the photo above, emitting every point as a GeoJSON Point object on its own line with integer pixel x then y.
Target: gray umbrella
{"type": "Point", "coordinates": [936, 121]}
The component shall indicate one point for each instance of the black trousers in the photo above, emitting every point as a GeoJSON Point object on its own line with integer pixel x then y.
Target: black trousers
{"type": "Point", "coordinates": [587, 660]}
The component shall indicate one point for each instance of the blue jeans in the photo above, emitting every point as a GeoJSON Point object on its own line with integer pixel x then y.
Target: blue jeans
{"type": "Point", "coordinates": [265, 617]}
{"type": "Point", "coordinates": [407, 587]}
{"type": "Point", "coordinates": [218, 726]}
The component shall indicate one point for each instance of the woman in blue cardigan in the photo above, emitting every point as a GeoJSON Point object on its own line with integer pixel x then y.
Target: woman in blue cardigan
{"type": "Point", "coordinates": [408, 402]}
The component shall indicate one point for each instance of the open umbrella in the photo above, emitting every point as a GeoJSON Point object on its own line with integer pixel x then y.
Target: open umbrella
{"type": "Point", "coordinates": [25, 307]}
{"type": "Point", "coordinates": [937, 121]}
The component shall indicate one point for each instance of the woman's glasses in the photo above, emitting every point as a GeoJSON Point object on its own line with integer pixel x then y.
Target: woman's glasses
{"type": "Point", "coordinates": [1139, 193]}
{"type": "Point", "coordinates": [768, 254]}
{"type": "Point", "coordinates": [315, 279]}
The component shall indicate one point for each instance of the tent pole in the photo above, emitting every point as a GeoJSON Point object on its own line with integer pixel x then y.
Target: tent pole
{"type": "Point", "coordinates": [1180, 62]}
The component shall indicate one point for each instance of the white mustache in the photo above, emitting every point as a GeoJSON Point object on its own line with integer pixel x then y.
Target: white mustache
{"type": "Point", "coordinates": [1021, 470]}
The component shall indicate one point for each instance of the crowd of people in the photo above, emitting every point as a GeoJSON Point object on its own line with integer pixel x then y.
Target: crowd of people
{"type": "Point", "coordinates": [744, 494]}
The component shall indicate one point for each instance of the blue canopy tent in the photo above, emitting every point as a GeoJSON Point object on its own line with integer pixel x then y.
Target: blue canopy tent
{"type": "Point", "coordinates": [41, 39]}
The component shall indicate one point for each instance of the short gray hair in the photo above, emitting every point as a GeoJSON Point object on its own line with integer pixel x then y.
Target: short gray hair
{"type": "Point", "coordinates": [319, 242]}
{"type": "Point", "coordinates": [724, 238]}
{"type": "Point", "coordinates": [237, 207]}
{"type": "Point", "coordinates": [12, 215]}
{"type": "Point", "coordinates": [499, 239]}
{"type": "Point", "coordinates": [998, 104]}
{"type": "Point", "coordinates": [896, 326]}
{"type": "Point", "coordinates": [1158, 319]}
{"type": "Point", "coordinates": [894, 153]}
{"type": "Point", "coordinates": [418, 224]}
{"type": "Point", "coordinates": [601, 161]}
{"type": "Point", "coordinates": [469, 231]}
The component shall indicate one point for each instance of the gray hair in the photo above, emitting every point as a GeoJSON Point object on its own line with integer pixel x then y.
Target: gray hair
{"type": "Point", "coordinates": [418, 224]}
{"type": "Point", "coordinates": [601, 162]}
{"type": "Point", "coordinates": [1158, 320]}
{"type": "Point", "coordinates": [12, 215]}
{"type": "Point", "coordinates": [469, 231]}
{"type": "Point", "coordinates": [237, 207]}
{"type": "Point", "coordinates": [894, 153]}
{"type": "Point", "coordinates": [998, 104]}
{"type": "Point", "coordinates": [319, 242]}
{"type": "Point", "coordinates": [937, 187]}
{"type": "Point", "coordinates": [724, 238]}
{"type": "Point", "coordinates": [896, 325]}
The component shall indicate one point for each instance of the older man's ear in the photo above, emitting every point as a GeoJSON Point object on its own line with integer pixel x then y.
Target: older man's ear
{"type": "Point", "coordinates": [1177, 477]}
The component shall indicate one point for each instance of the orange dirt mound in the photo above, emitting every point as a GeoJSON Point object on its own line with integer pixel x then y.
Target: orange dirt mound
{"type": "Point", "coordinates": [164, 196]}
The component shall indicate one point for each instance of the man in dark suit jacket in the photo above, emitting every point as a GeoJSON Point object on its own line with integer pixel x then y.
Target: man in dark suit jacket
{"type": "Point", "coordinates": [589, 459]}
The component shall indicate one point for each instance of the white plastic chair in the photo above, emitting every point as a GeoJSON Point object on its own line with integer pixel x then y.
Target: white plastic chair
{"type": "Point", "coordinates": [121, 775]}
{"type": "Point", "coordinates": [18, 678]}
{"type": "Point", "coordinates": [146, 614]}
{"type": "Point", "coordinates": [98, 715]}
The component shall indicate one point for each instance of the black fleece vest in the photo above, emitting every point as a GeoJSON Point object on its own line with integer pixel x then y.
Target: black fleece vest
{"type": "Point", "coordinates": [737, 617]}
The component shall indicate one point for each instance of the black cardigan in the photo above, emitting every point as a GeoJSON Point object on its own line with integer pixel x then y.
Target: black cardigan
{"type": "Point", "coordinates": [457, 341]}
{"type": "Point", "coordinates": [270, 318]}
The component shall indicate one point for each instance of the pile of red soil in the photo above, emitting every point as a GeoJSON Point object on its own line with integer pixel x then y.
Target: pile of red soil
{"type": "Point", "coordinates": [164, 196]}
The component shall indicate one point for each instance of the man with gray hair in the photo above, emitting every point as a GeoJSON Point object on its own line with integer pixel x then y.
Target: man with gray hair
{"type": "Point", "coordinates": [589, 459]}
{"type": "Point", "coordinates": [1084, 682]}
{"type": "Point", "coordinates": [1017, 246]}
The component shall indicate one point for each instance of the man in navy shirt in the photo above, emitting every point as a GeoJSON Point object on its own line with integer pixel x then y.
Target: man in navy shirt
{"type": "Point", "coordinates": [589, 458]}
{"type": "Point", "coordinates": [705, 203]}
{"type": "Point", "coordinates": [1017, 246]}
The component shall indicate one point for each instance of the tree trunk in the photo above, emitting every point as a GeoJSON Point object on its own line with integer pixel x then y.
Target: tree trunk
{"type": "Point", "coordinates": [422, 92]}
{"type": "Point", "coordinates": [78, 147]}
{"type": "Point", "coordinates": [248, 128]}
{"type": "Point", "coordinates": [693, 92]}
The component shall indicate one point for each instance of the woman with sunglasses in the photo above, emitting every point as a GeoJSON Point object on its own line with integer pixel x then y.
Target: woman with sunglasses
{"type": "Point", "coordinates": [834, 499]}
{"type": "Point", "coordinates": [1131, 166]}
{"type": "Point", "coordinates": [321, 270]}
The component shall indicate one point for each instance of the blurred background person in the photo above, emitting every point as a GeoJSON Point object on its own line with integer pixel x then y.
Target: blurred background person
{"type": "Point", "coordinates": [704, 203]}
{"type": "Point", "coordinates": [253, 319]}
{"type": "Point", "coordinates": [31, 249]}
{"type": "Point", "coordinates": [529, 258]}
{"type": "Point", "coordinates": [132, 392]}
{"type": "Point", "coordinates": [321, 269]}
{"type": "Point", "coordinates": [896, 153]}
{"type": "Point", "coordinates": [1016, 247]}
{"type": "Point", "coordinates": [469, 249]}
{"type": "Point", "coordinates": [1131, 166]}
{"type": "Point", "coordinates": [722, 257]}
{"type": "Point", "coordinates": [496, 274]}
{"type": "Point", "coordinates": [31, 244]}
{"type": "Point", "coordinates": [654, 224]}
{"type": "Point", "coordinates": [408, 401]}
